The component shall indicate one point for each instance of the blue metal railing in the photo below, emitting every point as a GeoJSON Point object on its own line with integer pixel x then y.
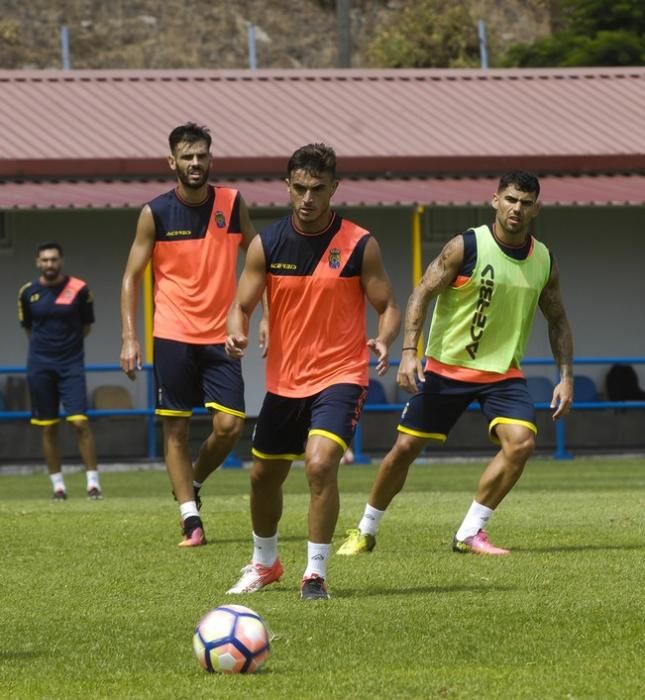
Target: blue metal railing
{"type": "Point", "coordinates": [149, 411]}
{"type": "Point", "coordinates": [359, 456]}
{"type": "Point", "coordinates": [561, 451]}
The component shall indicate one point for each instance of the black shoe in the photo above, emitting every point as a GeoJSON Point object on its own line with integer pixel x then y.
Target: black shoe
{"type": "Point", "coordinates": [60, 495]}
{"type": "Point", "coordinates": [313, 588]}
{"type": "Point", "coordinates": [95, 494]}
{"type": "Point", "coordinates": [193, 532]}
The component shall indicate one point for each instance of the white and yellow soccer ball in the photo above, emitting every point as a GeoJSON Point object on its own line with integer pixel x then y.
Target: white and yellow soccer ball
{"type": "Point", "coordinates": [231, 639]}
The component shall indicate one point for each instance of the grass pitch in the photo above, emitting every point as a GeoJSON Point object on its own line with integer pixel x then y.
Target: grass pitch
{"type": "Point", "coordinates": [98, 601]}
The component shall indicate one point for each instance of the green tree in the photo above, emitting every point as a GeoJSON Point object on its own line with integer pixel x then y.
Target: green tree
{"type": "Point", "coordinates": [426, 34]}
{"type": "Point", "coordinates": [591, 16]}
{"type": "Point", "coordinates": [594, 33]}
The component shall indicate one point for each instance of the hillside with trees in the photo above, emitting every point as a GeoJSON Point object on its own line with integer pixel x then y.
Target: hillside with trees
{"type": "Point", "coordinates": [140, 34]}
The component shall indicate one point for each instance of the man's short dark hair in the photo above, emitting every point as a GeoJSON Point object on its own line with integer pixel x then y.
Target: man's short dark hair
{"type": "Point", "coordinates": [314, 158]}
{"type": "Point", "coordinates": [190, 133]}
{"type": "Point", "coordinates": [48, 245]}
{"type": "Point", "coordinates": [522, 179]}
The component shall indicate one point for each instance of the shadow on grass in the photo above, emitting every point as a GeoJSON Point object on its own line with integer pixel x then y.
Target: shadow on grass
{"type": "Point", "coordinates": [377, 591]}
{"type": "Point", "coordinates": [21, 655]}
{"type": "Point", "coordinates": [248, 540]}
{"type": "Point", "coordinates": [579, 548]}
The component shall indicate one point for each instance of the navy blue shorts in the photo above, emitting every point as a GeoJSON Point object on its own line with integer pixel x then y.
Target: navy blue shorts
{"type": "Point", "coordinates": [51, 385]}
{"type": "Point", "coordinates": [189, 375]}
{"type": "Point", "coordinates": [433, 411]}
{"type": "Point", "coordinates": [284, 424]}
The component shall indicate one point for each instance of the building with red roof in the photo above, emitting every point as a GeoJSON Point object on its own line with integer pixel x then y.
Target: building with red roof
{"type": "Point", "coordinates": [82, 151]}
{"type": "Point", "coordinates": [98, 138]}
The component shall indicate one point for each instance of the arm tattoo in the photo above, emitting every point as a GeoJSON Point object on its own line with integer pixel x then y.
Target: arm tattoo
{"type": "Point", "coordinates": [560, 337]}
{"type": "Point", "coordinates": [440, 273]}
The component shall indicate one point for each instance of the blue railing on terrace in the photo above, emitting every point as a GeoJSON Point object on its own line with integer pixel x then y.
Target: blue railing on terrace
{"type": "Point", "coordinates": [148, 412]}
{"type": "Point", "coordinates": [560, 452]}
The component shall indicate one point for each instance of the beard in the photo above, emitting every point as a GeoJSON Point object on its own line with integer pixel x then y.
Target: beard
{"type": "Point", "coordinates": [185, 180]}
{"type": "Point", "coordinates": [50, 273]}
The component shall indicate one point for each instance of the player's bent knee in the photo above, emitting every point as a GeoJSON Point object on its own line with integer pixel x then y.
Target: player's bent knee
{"type": "Point", "coordinates": [81, 427]}
{"type": "Point", "coordinates": [227, 426]}
{"type": "Point", "coordinates": [175, 430]}
{"type": "Point", "coordinates": [268, 473]}
{"type": "Point", "coordinates": [519, 449]}
{"type": "Point", "coordinates": [320, 469]}
{"type": "Point", "coordinates": [50, 430]}
{"type": "Point", "coordinates": [407, 448]}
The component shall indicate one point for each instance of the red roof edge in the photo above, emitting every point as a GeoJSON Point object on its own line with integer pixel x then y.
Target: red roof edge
{"type": "Point", "coordinates": [308, 74]}
{"type": "Point", "coordinates": [356, 166]}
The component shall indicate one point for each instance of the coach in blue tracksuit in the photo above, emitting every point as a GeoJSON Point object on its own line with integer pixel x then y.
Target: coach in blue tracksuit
{"type": "Point", "coordinates": [57, 312]}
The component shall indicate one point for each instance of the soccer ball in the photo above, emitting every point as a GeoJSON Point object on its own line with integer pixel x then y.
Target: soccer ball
{"type": "Point", "coordinates": [231, 639]}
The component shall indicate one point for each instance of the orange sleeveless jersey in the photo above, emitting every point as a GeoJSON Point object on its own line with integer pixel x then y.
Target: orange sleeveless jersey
{"type": "Point", "coordinates": [317, 308]}
{"type": "Point", "coordinates": [195, 265]}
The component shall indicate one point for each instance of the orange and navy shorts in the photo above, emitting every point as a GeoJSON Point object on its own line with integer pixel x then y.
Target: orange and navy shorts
{"type": "Point", "coordinates": [285, 423]}
{"type": "Point", "coordinates": [433, 411]}
{"type": "Point", "coordinates": [189, 375]}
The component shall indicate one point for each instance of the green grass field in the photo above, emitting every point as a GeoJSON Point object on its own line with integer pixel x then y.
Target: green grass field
{"type": "Point", "coordinates": [98, 601]}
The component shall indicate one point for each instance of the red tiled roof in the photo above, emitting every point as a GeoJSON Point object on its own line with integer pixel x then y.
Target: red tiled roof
{"type": "Point", "coordinates": [601, 190]}
{"type": "Point", "coordinates": [398, 122]}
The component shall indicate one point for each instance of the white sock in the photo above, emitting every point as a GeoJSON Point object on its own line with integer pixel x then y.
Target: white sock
{"type": "Point", "coordinates": [92, 479]}
{"type": "Point", "coordinates": [188, 509]}
{"type": "Point", "coordinates": [475, 520]}
{"type": "Point", "coordinates": [317, 556]}
{"type": "Point", "coordinates": [265, 550]}
{"type": "Point", "coordinates": [370, 521]}
{"type": "Point", "coordinates": [58, 482]}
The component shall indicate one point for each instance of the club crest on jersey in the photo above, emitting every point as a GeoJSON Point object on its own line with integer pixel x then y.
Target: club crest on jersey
{"type": "Point", "coordinates": [334, 258]}
{"type": "Point", "coordinates": [220, 219]}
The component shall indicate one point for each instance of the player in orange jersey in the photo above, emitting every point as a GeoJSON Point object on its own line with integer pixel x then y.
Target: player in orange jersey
{"type": "Point", "coordinates": [192, 235]}
{"type": "Point", "coordinates": [318, 270]}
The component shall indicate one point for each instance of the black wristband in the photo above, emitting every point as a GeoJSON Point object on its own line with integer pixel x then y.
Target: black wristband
{"type": "Point", "coordinates": [411, 348]}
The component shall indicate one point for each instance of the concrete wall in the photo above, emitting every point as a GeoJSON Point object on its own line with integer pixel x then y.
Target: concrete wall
{"type": "Point", "coordinates": [600, 253]}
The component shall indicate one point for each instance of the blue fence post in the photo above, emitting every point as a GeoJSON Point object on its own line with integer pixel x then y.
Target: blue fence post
{"type": "Point", "coordinates": [233, 461]}
{"type": "Point", "coordinates": [561, 451]}
{"type": "Point", "coordinates": [359, 457]}
{"type": "Point", "coordinates": [151, 421]}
